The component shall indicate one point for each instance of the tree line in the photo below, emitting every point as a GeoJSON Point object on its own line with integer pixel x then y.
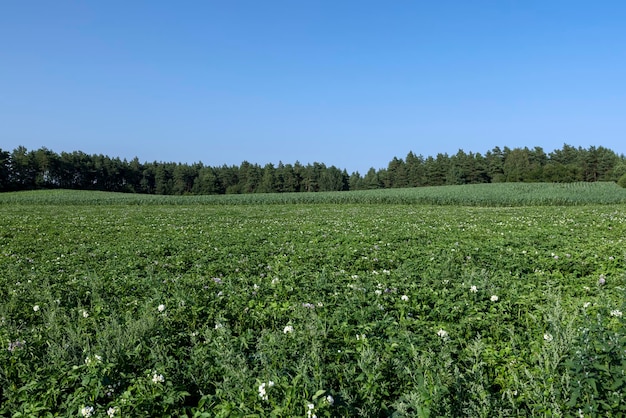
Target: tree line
{"type": "Point", "coordinates": [22, 169]}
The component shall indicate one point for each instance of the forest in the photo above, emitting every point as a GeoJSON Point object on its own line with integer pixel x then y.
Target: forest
{"type": "Point", "coordinates": [23, 169]}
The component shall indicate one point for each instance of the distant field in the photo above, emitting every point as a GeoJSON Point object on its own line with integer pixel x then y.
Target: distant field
{"type": "Point", "coordinates": [493, 300]}
{"type": "Point", "coordinates": [501, 194]}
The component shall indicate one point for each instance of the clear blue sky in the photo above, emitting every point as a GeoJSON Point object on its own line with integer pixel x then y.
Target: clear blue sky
{"type": "Point", "coordinates": [346, 83]}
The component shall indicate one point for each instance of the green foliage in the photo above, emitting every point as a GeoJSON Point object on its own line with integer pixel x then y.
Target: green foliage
{"type": "Point", "coordinates": [622, 181]}
{"type": "Point", "coordinates": [597, 364]}
{"type": "Point", "coordinates": [493, 195]}
{"type": "Point", "coordinates": [177, 307]}
{"type": "Point", "coordinates": [44, 169]}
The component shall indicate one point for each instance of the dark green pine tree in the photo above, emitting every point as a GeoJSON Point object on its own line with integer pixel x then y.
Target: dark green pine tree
{"type": "Point", "coordinates": [268, 180]}
{"type": "Point", "coordinates": [415, 170]}
{"type": "Point", "coordinates": [5, 170]}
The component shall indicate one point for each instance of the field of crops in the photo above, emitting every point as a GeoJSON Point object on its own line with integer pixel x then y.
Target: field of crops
{"type": "Point", "coordinates": [502, 194]}
{"type": "Point", "coordinates": [126, 305]}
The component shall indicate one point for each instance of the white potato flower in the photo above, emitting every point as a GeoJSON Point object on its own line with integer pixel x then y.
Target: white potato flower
{"type": "Point", "coordinates": [86, 411]}
{"type": "Point", "coordinates": [95, 359]}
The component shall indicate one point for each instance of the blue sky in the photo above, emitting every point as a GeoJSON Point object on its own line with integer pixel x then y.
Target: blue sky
{"type": "Point", "coordinates": [346, 83]}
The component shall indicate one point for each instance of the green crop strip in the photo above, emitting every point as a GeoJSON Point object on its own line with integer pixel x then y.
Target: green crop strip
{"type": "Point", "coordinates": [501, 194]}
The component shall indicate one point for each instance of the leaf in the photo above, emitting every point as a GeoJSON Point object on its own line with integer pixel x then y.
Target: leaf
{"type": "Point", "coordinates": [318, 394]}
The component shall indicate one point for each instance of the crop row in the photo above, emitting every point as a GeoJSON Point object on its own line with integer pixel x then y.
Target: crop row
{"type": "Point", "coordinates": [494, 195]}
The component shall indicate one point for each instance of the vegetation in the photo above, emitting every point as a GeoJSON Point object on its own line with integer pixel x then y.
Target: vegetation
{"type": "Point", "coordinates": [502, 194]}
{"type": "Point", "coordinates": [128, 305]}
{"type": "Point", "coordinates": [622, 181]}
{"type": "Point", "coordinates": [44, 169]}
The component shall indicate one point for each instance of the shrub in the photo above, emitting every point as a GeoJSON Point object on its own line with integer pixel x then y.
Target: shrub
{"type": "Point", "coordinates": [622, 181]}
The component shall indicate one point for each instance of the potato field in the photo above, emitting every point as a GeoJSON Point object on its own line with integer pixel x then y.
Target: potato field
{"type": "Point", "coordinates": [349, 304]}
